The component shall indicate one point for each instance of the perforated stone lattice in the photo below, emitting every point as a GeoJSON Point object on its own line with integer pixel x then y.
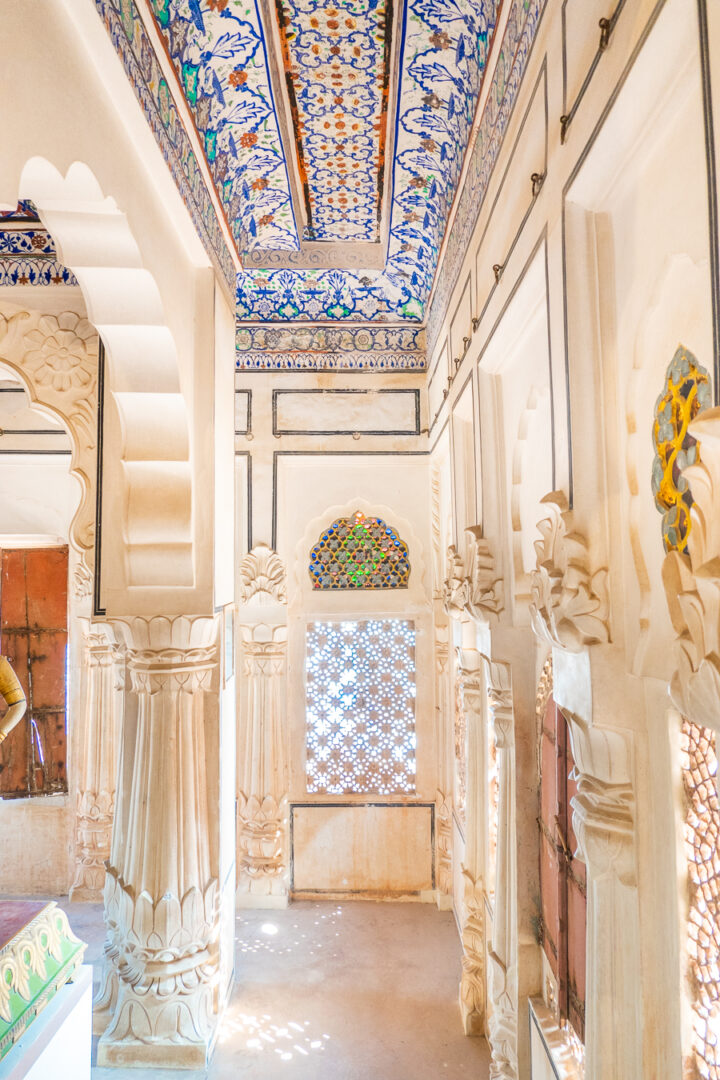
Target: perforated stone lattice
{"type": "Point", "coordinates": [702, 831]}
{"type": "Point", "coordinates": [360, 707]}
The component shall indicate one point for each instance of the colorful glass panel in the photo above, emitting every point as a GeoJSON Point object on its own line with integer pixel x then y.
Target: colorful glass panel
{"type": "Point", "coordinates": [686, 393]}
{"type": "Point", "coordinates": [360, 552]}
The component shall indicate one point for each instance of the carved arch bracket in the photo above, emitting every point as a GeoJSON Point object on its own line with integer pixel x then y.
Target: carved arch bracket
{"type": "Point", "coordinates": [476, 591]}
{"type": "Point", "coordinates": [570, 604]}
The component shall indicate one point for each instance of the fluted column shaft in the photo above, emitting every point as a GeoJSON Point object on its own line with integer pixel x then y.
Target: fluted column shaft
{"type": "Point", "coordinates": [161, 899]}
{"type": "Point", "coordinates": [263, 770]}
{"type": "Point", "coordinates": [99, 734]}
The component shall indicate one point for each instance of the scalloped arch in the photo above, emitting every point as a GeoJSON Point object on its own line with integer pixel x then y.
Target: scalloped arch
{"type": "Point", "coordinates": [153, 512]}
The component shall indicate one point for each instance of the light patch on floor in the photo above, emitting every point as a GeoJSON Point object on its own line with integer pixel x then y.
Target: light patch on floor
{"type": "Point", "coordinates": [332, 991]}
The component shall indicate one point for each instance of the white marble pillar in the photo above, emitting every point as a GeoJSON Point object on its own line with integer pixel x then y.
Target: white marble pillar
{"type": "Point", "coordinates": [503, 951]}
{"type": "Point", "coordinates": [472, 982]}
{"type": "Point", "coordinates": [262, 838]}
{"type": "Point", "coordinates": [161, 898]}
{"type": "Point", "coordinates": [443, 797]}
{"type": "Point", "coordinates": [98, 736]}
{"type": "Point", "coordinates": [604, 825]}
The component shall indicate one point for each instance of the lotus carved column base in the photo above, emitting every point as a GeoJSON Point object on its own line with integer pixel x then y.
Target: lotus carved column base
{"type": "Point", "coordinates": [94, 832]}
{"type": "Point", "coordinates": [472, 980]}
{"type": "Point", "coordinates": [163, 971]}
{"type": "Point", "coordinates": [262, 843]}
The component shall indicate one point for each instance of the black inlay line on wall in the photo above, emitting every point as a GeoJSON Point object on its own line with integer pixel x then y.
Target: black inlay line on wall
{"type": "Point", "coordinates": [351, 804]}
{"type": "Point", "coordinates": [566, 188]}
{"type": "Point", "coordinates": [350, 431]}
{"type": "Point", "coordinates": [712, 191]}
{"type": "Point", "coordinates": [248, 455]}
{"type": "Point", "coordinates": [612, 20]}
{"type": "Point", "coordinates": [97, 607]}
{"type": "Point", "coordinates": [248, 425]}
{"type": "Point", "coordinates": [327, 453]}
{"type": "Point", "coordinates": [542, 78]}
{"type": "Point", "coordinates": [542, 240]}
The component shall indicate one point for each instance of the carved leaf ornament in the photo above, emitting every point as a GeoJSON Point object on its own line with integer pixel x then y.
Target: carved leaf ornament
{"type": "Point", "coordinates": [262, 576]}
{"type": "Point", "coordinates": [478, 591]}
{"type": "Point", "coordinates": [570, 606]}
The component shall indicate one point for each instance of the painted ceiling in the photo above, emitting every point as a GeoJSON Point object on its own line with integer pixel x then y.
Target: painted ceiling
{"type": "Point", "coordinates": [338, 123]}
{"type": "Point", "coordinates": [334, 134]}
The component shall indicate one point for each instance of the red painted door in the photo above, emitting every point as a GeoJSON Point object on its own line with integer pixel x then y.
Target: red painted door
{"type": "Point", "coordinates": [562, 873]}
{"type": "Point", "coordinates": [33, 636]}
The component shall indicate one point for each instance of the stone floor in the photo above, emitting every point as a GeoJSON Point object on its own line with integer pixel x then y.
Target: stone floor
{"type": "Point", "coordinates": [332, 991]}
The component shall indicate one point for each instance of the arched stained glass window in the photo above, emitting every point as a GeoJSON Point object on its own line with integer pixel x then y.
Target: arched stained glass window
{"type": "Point", "coordinates": [686, 393]}
{"type": "Point", "coordinates": [359, 552]}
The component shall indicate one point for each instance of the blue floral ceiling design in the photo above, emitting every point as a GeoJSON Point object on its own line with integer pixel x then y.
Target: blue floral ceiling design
{"type": "Point", "coordinates": [253, 78]}
{"type": "Point", "coordinates": [336, 67]}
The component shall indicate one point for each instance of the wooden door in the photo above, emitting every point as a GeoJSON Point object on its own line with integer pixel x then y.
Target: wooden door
{"type": "Point", "coordinates": [33, 636]}
{"type": "Point", "coordinates": [562, 873]}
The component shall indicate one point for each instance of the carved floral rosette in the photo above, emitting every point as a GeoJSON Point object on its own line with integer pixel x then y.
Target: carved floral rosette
{"type": "Point", "coordinates": [570, 605]}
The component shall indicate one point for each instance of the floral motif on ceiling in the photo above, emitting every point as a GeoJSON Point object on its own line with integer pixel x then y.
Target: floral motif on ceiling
{"type": "Point", "coordinates": [445, 49]}
{"type": "Point", "coordinates": [337, 68]}
{"type": "Point", "coordinates": [218, 52]}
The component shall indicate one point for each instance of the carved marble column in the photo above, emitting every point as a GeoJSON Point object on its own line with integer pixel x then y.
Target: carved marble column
{"type": "Point", "coordinates": [503, 952]}
{"type": "Point", "coordinates": [99, 736]}
{"type": "Point", "coordinates": [570, 611]}
{"type": "Point", "coordinates": [262, 772]}
{"type": "Point", "coordinates": [161, 899]}
{"type": "Point", "coordinates": [472, 981]}
{"type": "Point", "coordinates": [603, 820]}
{"type": "Point", "coordinates": [443, 797]}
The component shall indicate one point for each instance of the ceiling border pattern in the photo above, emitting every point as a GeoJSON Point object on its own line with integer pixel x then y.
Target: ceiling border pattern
{"type": "Point", "coordinates": [132, 45]}
{"type": "Point", "coordinates": [20, 271]}
{"type": "Point", "coordinates": [274, 347]}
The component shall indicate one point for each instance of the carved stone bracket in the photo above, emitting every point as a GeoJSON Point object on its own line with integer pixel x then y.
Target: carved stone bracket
{"type": "Point", "coordinates": [476, 591]}
{"type": "Point", "coordinates": [57, 358]}
{"type": "Point", "coordinates": [262, 576]}
{"type": "Point", "coordinates": [570, 605]}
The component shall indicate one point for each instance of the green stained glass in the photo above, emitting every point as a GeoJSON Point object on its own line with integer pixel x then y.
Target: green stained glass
{"type": "Point", "coordinates": [359, 552]}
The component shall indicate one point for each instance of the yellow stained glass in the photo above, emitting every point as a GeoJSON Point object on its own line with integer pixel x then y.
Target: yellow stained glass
{"type": "Point", "coordinates": [686, 393]}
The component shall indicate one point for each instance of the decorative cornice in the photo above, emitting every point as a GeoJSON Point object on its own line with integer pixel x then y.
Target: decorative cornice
{"type": "Point", "coordinates": [570, 605]}
{"type": "Point", "coordinates": [477, 590]}
{"type": "Point", "coordinates": [262, 577]}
